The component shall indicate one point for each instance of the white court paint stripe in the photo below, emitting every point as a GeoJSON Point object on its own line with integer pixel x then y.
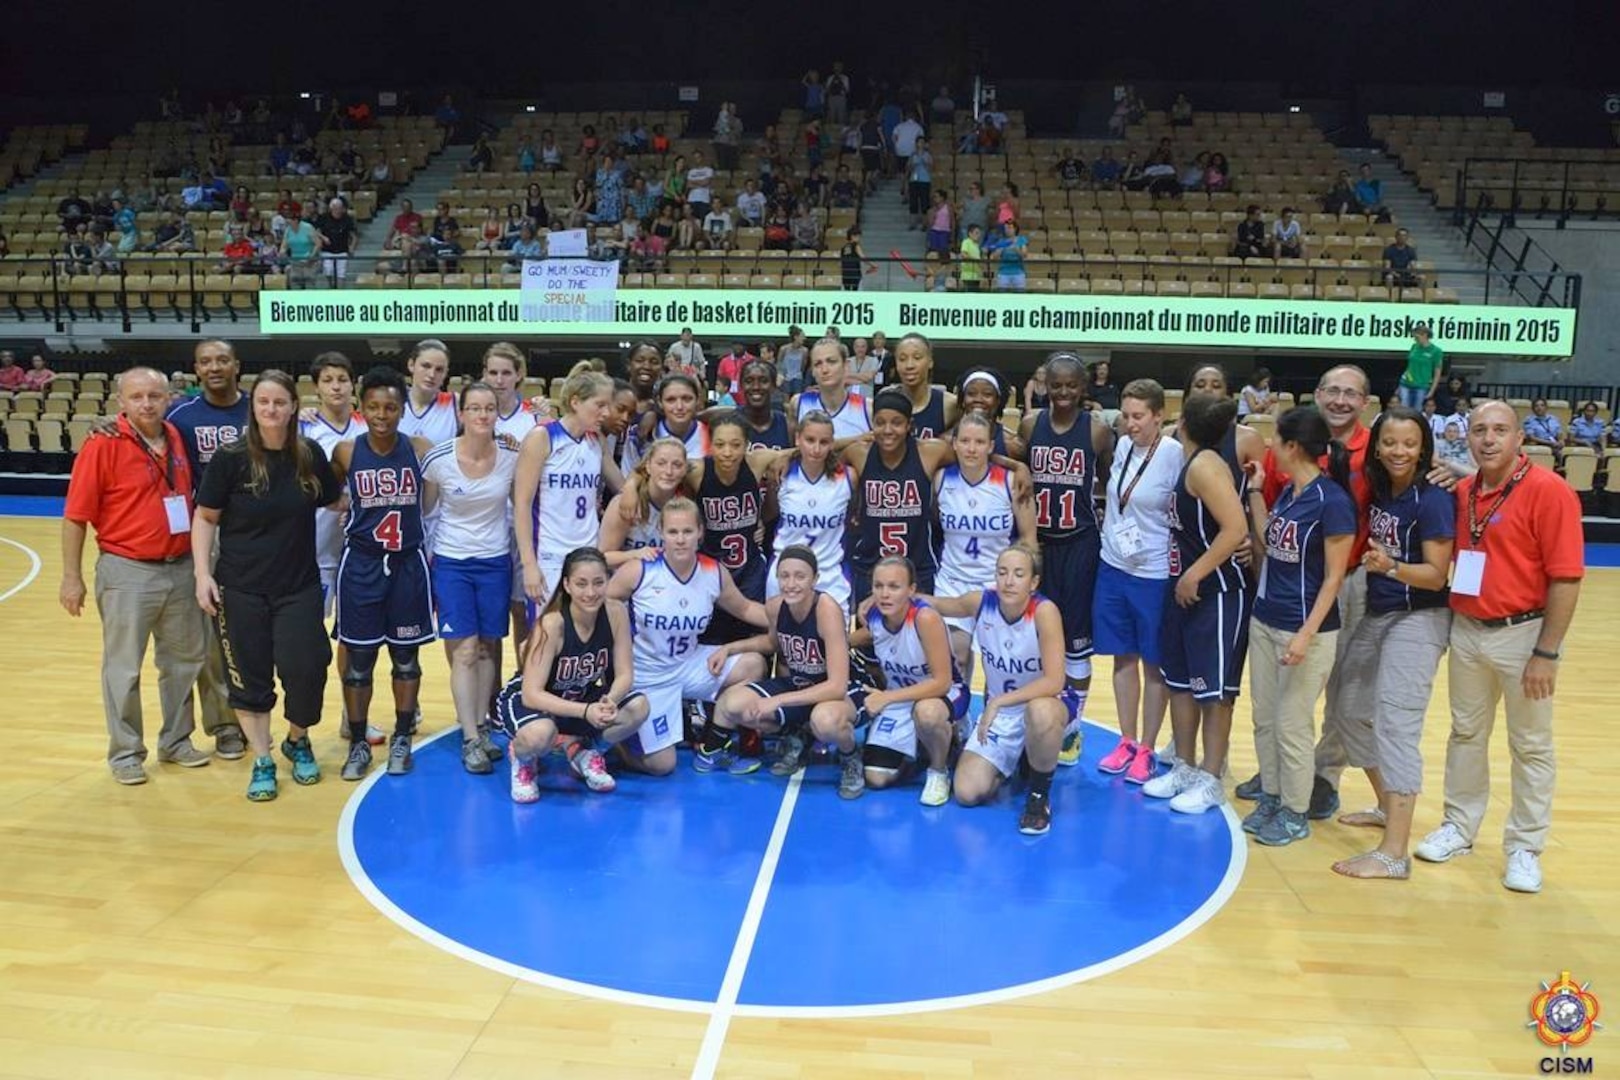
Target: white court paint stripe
{"type": "Point", "coordinates": [33, 569]}
{"type": "Point", "coordinates": [720, 1020]}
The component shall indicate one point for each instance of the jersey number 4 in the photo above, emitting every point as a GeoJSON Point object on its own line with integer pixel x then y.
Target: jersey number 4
{"type": "Point", "coordinates": [387, 533]}
{"type": "Point", "coordinates": [1066, 515]}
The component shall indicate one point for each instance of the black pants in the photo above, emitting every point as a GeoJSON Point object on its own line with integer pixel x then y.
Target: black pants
{"type": "Point", "coordinates": [266, 635]}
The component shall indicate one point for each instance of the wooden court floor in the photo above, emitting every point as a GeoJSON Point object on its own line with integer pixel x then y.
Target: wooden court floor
{"type": "Point", "coordinates": [176, 930]}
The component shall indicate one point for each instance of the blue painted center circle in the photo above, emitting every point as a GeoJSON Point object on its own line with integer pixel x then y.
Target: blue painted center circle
{"type": "Point", "coordinates": [879, 903]}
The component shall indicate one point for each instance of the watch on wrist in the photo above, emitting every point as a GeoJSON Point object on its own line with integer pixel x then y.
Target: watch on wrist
{"type": "Point", "coordinates": [1545, 654]}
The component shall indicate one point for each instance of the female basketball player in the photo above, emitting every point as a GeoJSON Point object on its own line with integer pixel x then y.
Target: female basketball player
{"type": "Point", "coordinates": [767, 427]}
{"type": "Point", "coordinates": [984, 390]}
{"type": "Point", "coordinates": [851, 416]}
{"type": "Point", "coordinates": [673, 595]}
{"type": "Point", "coordinates": [472, 563]}
{"type": "Point", "coordinates": [913, 718]}
{"type": "Point", "coordinates": [806, 633]}
{"type": "Point", "coordinates": [933, 408]}
{"type": "Point", "coordinates": [631, 531]}
{"type": "Point", "coordinates": [1020, 636]}
{"type": "Point", "coordinates": [729, 496]}
{"type": "Point", "coordinates": [504, 369]}
{"type": "Point", "coordinates": [1294, 630]}
{"type": "Point", "coordinates": [555, 492]}
{"type": "Point", "coordinates": [383, 591]}
{"type": "Point", "coordinates": [1242, 444]}
{"type": "Point", "coordinates": [1068, 449]}
{"type": "Point", "coordinates": [982, 507]}
{"type": "Point", "coordinates": [575, 681]}
{"type": "Point", "coordinates": [1133, 579]}
{"type": "Point", "coordinates": [258, 496]}
{"type": "Point", "coordinates": [894, 476]}
{"type": "Point", "coordinates": [676, 417]}
{"type": "Point", "coordinates": [1205, 633]}
{"type": "Point", "coordinates": [644, 366]}
{"type": "Point", "coordinates": [430, 411]}
{"type": "Point", "coordinates": [808, 497]}
{"type": "Point", "coordinates": [1394, 651]}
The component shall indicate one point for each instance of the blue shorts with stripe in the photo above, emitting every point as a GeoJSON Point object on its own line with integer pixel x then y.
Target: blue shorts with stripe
{"type": "Point", "coordinates": [384, 599]}
{"type": "Point", "coordinates": [472, 596]}
{"type": "Point", "coordinates": [1202, 648]}
{"type": "Point", "coordinates": [1128, 611]}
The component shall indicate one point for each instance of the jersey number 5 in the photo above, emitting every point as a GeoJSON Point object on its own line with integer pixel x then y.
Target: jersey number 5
{"type": "Point", "coordinates": [387, 532]}
{"type": "Point", "coordinates": [892, 539]}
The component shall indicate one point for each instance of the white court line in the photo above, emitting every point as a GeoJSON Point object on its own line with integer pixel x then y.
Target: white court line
{"type": "Point", "coordinates": [720, 1019]}
{"type": "Point", "coordinates": [33, 570]}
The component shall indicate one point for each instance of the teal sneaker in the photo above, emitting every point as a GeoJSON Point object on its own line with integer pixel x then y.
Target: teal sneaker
{"type": "Point", "coordinates": [305, 771]}
{"type": "Point", "coordinates": [263, 786]}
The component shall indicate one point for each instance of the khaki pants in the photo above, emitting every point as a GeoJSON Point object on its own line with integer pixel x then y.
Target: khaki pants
{"type": "Point", "coordinates": [1331, 755]}
{"type": "Point", "coordinates": [1285, 710]}
{"type": "Point", "coordinates": [138, 601]}
{"type": "Point", "coordinates": [1485, 667]}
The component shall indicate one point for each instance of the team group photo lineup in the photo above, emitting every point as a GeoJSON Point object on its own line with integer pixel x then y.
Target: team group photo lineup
{"type": "Point", "coordinates": [852, 568]}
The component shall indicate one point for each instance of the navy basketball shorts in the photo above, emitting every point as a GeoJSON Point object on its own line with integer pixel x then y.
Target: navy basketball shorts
{"type": "Point", "coordinates": [788, 718]}
{"type": "Point", "coordinates": [384, 599]}
{"type": "Point", "coordinates": [512, 716]}
{"type": "Point", "coordinates": [725, 627]}
{"type": "Point", "coordinates": [1069, 580]}
{"type": "Point", "coordinates": [1202, 648]}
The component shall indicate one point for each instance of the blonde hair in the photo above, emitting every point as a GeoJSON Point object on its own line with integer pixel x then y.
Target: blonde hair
{"type": "Point", "coordinates": [595, 363]}
{"type": "Point", "coordinates": [510, 352]}
{"type": "Point", "coordinates": [583, 385]}
{"type": "Point", "coordinates": [643, 476]}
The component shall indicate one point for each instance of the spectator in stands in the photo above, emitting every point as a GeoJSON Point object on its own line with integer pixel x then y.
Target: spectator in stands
{"type": "Point", "coordinates": [403, 223]}
{"type": "Point", "coordinates": [943, 107]}
{"type": "Point", "coordinates": [850, 259]}
{"type": "Point", "coordinates": [1370, 193]}
{"type": "Point", "coordinates": [39, 376]}
{"type": "Point", "coordinates": [551, 155]}
{"type": "Point", "coordinates": [5, 244]}
{"type": "Point", "coordinates": [1252, 239]}
{"type": "Point", "coordinates": [816, 188]}
{"type": "Point", "coordinates": [515, 217]}
{"type": "Point", "coordinates": [1007, 253]}
{"type": "Point", "coordinates": [1424, 363]}
{"type": "Point", "coordinates": [728, 371]}
{"type": "Point", "coordinates": [78, 256]}
{"type": "Point", "coordinates": [527, 159]}
{"type": "Point", "coordinates": [490, 233]}
{"type": "Point", "coordinates": [641, 203]}
{"type": "Point", "coordinates": [1460, 408]}
{"type": "Point", "coordinates": [482, 158]}
{"type": "Point", "coordinates": [1192, 177]}
{"type": "Point", "coordinates": [941, 225]}
{"type": "Point", "coordinates": [662, 231]}
{"type": "Point", "coordinates": [1102, 393]}
{"type": "Point", "coordinates": [1398, 259]}
{"type": "Point", "coordinates": [1105, 170]}
{"type": "Point", "coordinates": [905, 137]}
{"type": "Point", "coordinates": [534, 207]}
{"type": "Point", "coordinates": [526, 246]}
{"type": "Point", "coordinates": [1130, 176]}
{"type": "Point", "coordinates": [1218, 175]}
{"type": "Point", "coordinates": [175, 236]}
{"type": "Point", "coordinates": [815, 94]}
{"type": "Point", "coordinates": [863, 369]}
{"type": "Point", "coordinates": [11, 373]}
{"type": "Point", "coordinates": [239, 252]}
{"type": "Point", "coordinates": [728, 129]}
{"type": "Point", "coordinates": [1541, 428]}
{"type": "Point", "coordinates": [698, 180]}
{"type": "Point", "coordinates": [1159, 175]}
{"type": "Point", "coordinates": [1008, 207]}
{"type": "Point", "coordinates": [339, 236]}
{"type": "Point", "coordinates": [633, 140]}
{"type": "Point", "coordinates": [717, 228]}
{"type": "Point", "coordinates": [974, 210]}
{"type": "Point", "coordinates": [352, 164]}
{"type": "Point", "coordinates": [688, 230]}
{"type": "Point", "coordinates": [130, 489]}
{"type": "Point", "coordinates": [609, 191]}
{"type": "Point", "coordinates": [1287, 236]}
{"type": "Point", "coordinates": [286, 204]}
{"type": "Point", "coordinates": [885, 358]}
{"type": "Point", "coordinates": [845, 195]}
{"type": "Point", "coordinates": [446, 117]}
{"type": "Point", "coordinates": [581, 209]}
{"type": "Point", "coordinates": [751, 205]}
{"type": "Point", "coordinates": [837, 89]}
{"type": "Point", "coordinates": [72, 210]}
{"type": "Point", "coordinates": [987, 139]}
{"type": "Point", "coordinates": [241, 204]}
{"type": "Point", "coordinates": [445, 250]}
{"type": "Point", "coordinates": [301, 248]}
{"type": "Point", "coordinates": [280, 155]}
{"type": "Point", "coordinates": [306, 160]}
{"type": "Point", "coordinates": [1431, 416]}
{"type": "Point", "coordinates": [103, 256]}
{"type": "Point", "coordinates": [970, 259]}
{"type": "Point", "coordinates": [685, 355]}
{"type": "Point", "coordinates": [1451, 448]}
{"type": "Point", "coordinates": [1256, 399]}
{"type": "Point", "coordinates": [872, 148]}
{"type": "Point", "coordinates": [1587, 429]}
{"type": "Point", "coordinates": [806, 228]}
{"type": "Point", "coordinates": [1341, 199]}
{"type": "Point", "coordinates": [1447, 397]}
{"type": "Point", "coordinates": [1612, 439]}
{"type": "Point", "coordinates": [1181, 112]}
{"type": "Point", "coordinates": [1071, 171]}
{"type": "Point", "coordinates": [778, 230]}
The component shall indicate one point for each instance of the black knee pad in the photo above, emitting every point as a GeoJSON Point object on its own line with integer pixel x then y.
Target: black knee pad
{"type": "Point", "coordinates": [407, 668]}
{"type": "Point", "coordinates": [358, 665]}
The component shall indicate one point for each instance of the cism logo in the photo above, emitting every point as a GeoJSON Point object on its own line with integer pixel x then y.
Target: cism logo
{"type": "Point", "coordinates": [1566, 1065]}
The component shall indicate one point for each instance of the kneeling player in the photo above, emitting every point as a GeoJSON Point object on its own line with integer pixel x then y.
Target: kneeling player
{"type": "Point", "coordinates": [575, 681]}
{"type": "Point", "coordinates": [673, 596]}
{"type": "Point", "coordinates": [807, 635]}
{"type": "Point", "coordinates": [1020, 638]}
{"type": "Point", "coordinates": [923, 695]}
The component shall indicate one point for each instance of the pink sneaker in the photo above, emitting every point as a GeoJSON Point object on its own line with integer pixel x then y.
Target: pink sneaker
{"type": "Point", "coordinates": [589, 767]}
{"type": "Point", "coordinates": [1142, 767]}
{"type": "Point", "coordinates": [525, 780]}
{"type": "Point", "coordinates": [1119, 758]}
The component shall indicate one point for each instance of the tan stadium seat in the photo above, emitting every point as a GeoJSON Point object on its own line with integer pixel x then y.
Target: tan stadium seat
{"type": "Point", "coordinates": [19, 435]}
{"type": "Point", "coordinates": [1540, 455]}
{"type": "Point", "coordinates": [50, 435]}
{"type": "Point", "coordinates": [1265, 424]}
{"type": "Point", "coordinates": [1580, 468]}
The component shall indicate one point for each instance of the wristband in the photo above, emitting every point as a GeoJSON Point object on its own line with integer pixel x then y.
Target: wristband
{"type": "Point", "coordinates": [1545, 654]}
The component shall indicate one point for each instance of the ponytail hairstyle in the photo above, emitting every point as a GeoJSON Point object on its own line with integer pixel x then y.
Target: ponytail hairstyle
{"type": "Point", "coordinates": [1377, 474]}
{"type": "Point", "coordinates": [1028, 551]}
{"type": "Point", "coordinates": [834, 463]}
{"type": "Point", "coordinates": [1205, 419]}
{"type": "Point", "coordinates": [509, 351]}
{"type": "Point", "coordinates": [1066, 358]}
{"type": "Point", "coordinates": [584, 385]}
{"type": "Point", "coordinates": [801, 553]}
{"type": "Point", "coordinates": [293, 442]}
{"type": "Point", "coordinates": [560, 600]}
{"type": "Point", "coordinates": [643, 474]}
{"type": "Point", "coordinates": [1305, 426]}
{"type": "Point", "coordinates": [683, 504]}
{"type": "Point", "coordinates": [987, 375]}
{"type": "Point", "coordinates": [477, 386]}
{"type": "Point", "coordinates": [729, 419]}
{"type": "Point", "coordinates": [901, 561]}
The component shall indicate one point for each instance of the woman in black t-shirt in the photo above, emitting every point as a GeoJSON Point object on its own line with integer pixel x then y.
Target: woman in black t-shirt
{"type": "Point", "coordinates": [259, 496]}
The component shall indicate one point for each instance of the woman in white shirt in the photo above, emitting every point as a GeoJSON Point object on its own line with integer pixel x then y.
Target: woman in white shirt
{"type": "Point", "coordinates": [472, 564]}
{"type": "Point", "coordinates": [1256, 397]}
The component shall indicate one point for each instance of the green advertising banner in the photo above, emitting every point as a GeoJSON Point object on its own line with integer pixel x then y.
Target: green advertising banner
{"type": "Point", "coordinates": [1176, 322]}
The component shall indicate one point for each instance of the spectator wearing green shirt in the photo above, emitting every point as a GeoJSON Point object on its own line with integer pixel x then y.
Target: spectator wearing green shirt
{"type": "Point", "coordinates": [1424, 363]}
{"type": "Point", "coordinates": [970, 273]}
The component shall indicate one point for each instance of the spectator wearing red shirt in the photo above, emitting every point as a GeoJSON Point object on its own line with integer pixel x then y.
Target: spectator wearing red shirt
{"type": "Point", "coordinates": [1517, 577]}
{"type": "Point", "coordinates": [134, 489]}
{"type": "Point", "coordinates": [1340, 395]}
{"type": "Point", "coordinates": [11, 373]}
{"type": "Point", "coordinates": [406, 223]}
{"type": "Point", "coordinates": [38, 376]}
{"type": "Point", "coordinates": [728, 372]}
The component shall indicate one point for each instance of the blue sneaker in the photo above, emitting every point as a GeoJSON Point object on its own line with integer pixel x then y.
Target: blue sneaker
{"type": "Point", "coordinates": [1266, 807]}
{"type": "Point", "coordinates": [1283, 828]}
{"type": "Point", "coordinates": [262, 787]}
{"type": "Point", "coordinates": [305, 770]}
{"type": "Point", "coordinates": [715, 760]}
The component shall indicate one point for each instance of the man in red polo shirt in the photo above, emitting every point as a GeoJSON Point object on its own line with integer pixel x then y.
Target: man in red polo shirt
{"type": "Point", "coordinates": [135, 490]}
{"type": "Point", "coordinates": [1517, 577]}
{"type": "Point", "coordinates": [1340, 395]}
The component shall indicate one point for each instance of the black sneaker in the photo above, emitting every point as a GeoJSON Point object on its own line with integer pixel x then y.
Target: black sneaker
{"type": "Point", "coordinates": [399, 755]}
{"type": "Point", "coordinates": [1324, 800]}
{"type": "Point", "coordinates": [1036, 820]}
{"type": "Point", "coordinates": [359, 761]}
{"type": "Point", "coordinates": [1249, 790]}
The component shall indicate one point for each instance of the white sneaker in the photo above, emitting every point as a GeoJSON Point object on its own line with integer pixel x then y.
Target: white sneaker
{"type": "Point", "coordinates": [1446, 842]}
{"type": "Point", "coordinates": [525, 779]}
{"type": "Point", "coordinates": [937, 788]}
{"type": "Point", "coordinates": [589, 767]}
{"type": "Point", "coordinates": [1170, 784]}
{"type": "Point", "coordinates": [1204, 793]}
{"type": "Point", "coordinates": [1523, 872]}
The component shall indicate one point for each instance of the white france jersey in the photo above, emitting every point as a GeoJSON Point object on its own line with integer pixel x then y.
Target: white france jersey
{"type": "Point", "coordinates": [329, 523]}
{"type": "Point", "coordinates": [646, 534]}
{"type": "Point", "coordinates": [696, 440]}
{"type": "Point", "coordinates": [564, 511]}
{"type": "Point", "coordinates": [518, 423]}
{"type": "Point", "coordinates": [1011, 651]}
{"type": "Point", "coordinates": [814, 514]}
{"type": "Point", "coordinates": [437, 423]}
{"type": "Point", "coordinates": [474, 514]}
{"type": "Point", "coordinates": [850, 419]}
{"type": "Point", "coordinates": [900, 652]}
{"type": "Point", "coordinates": [976, 526]}
{"type": "Point", "coordinates": [1136, 537]}
{"type": "Point", "coordinates": [667, 616]}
